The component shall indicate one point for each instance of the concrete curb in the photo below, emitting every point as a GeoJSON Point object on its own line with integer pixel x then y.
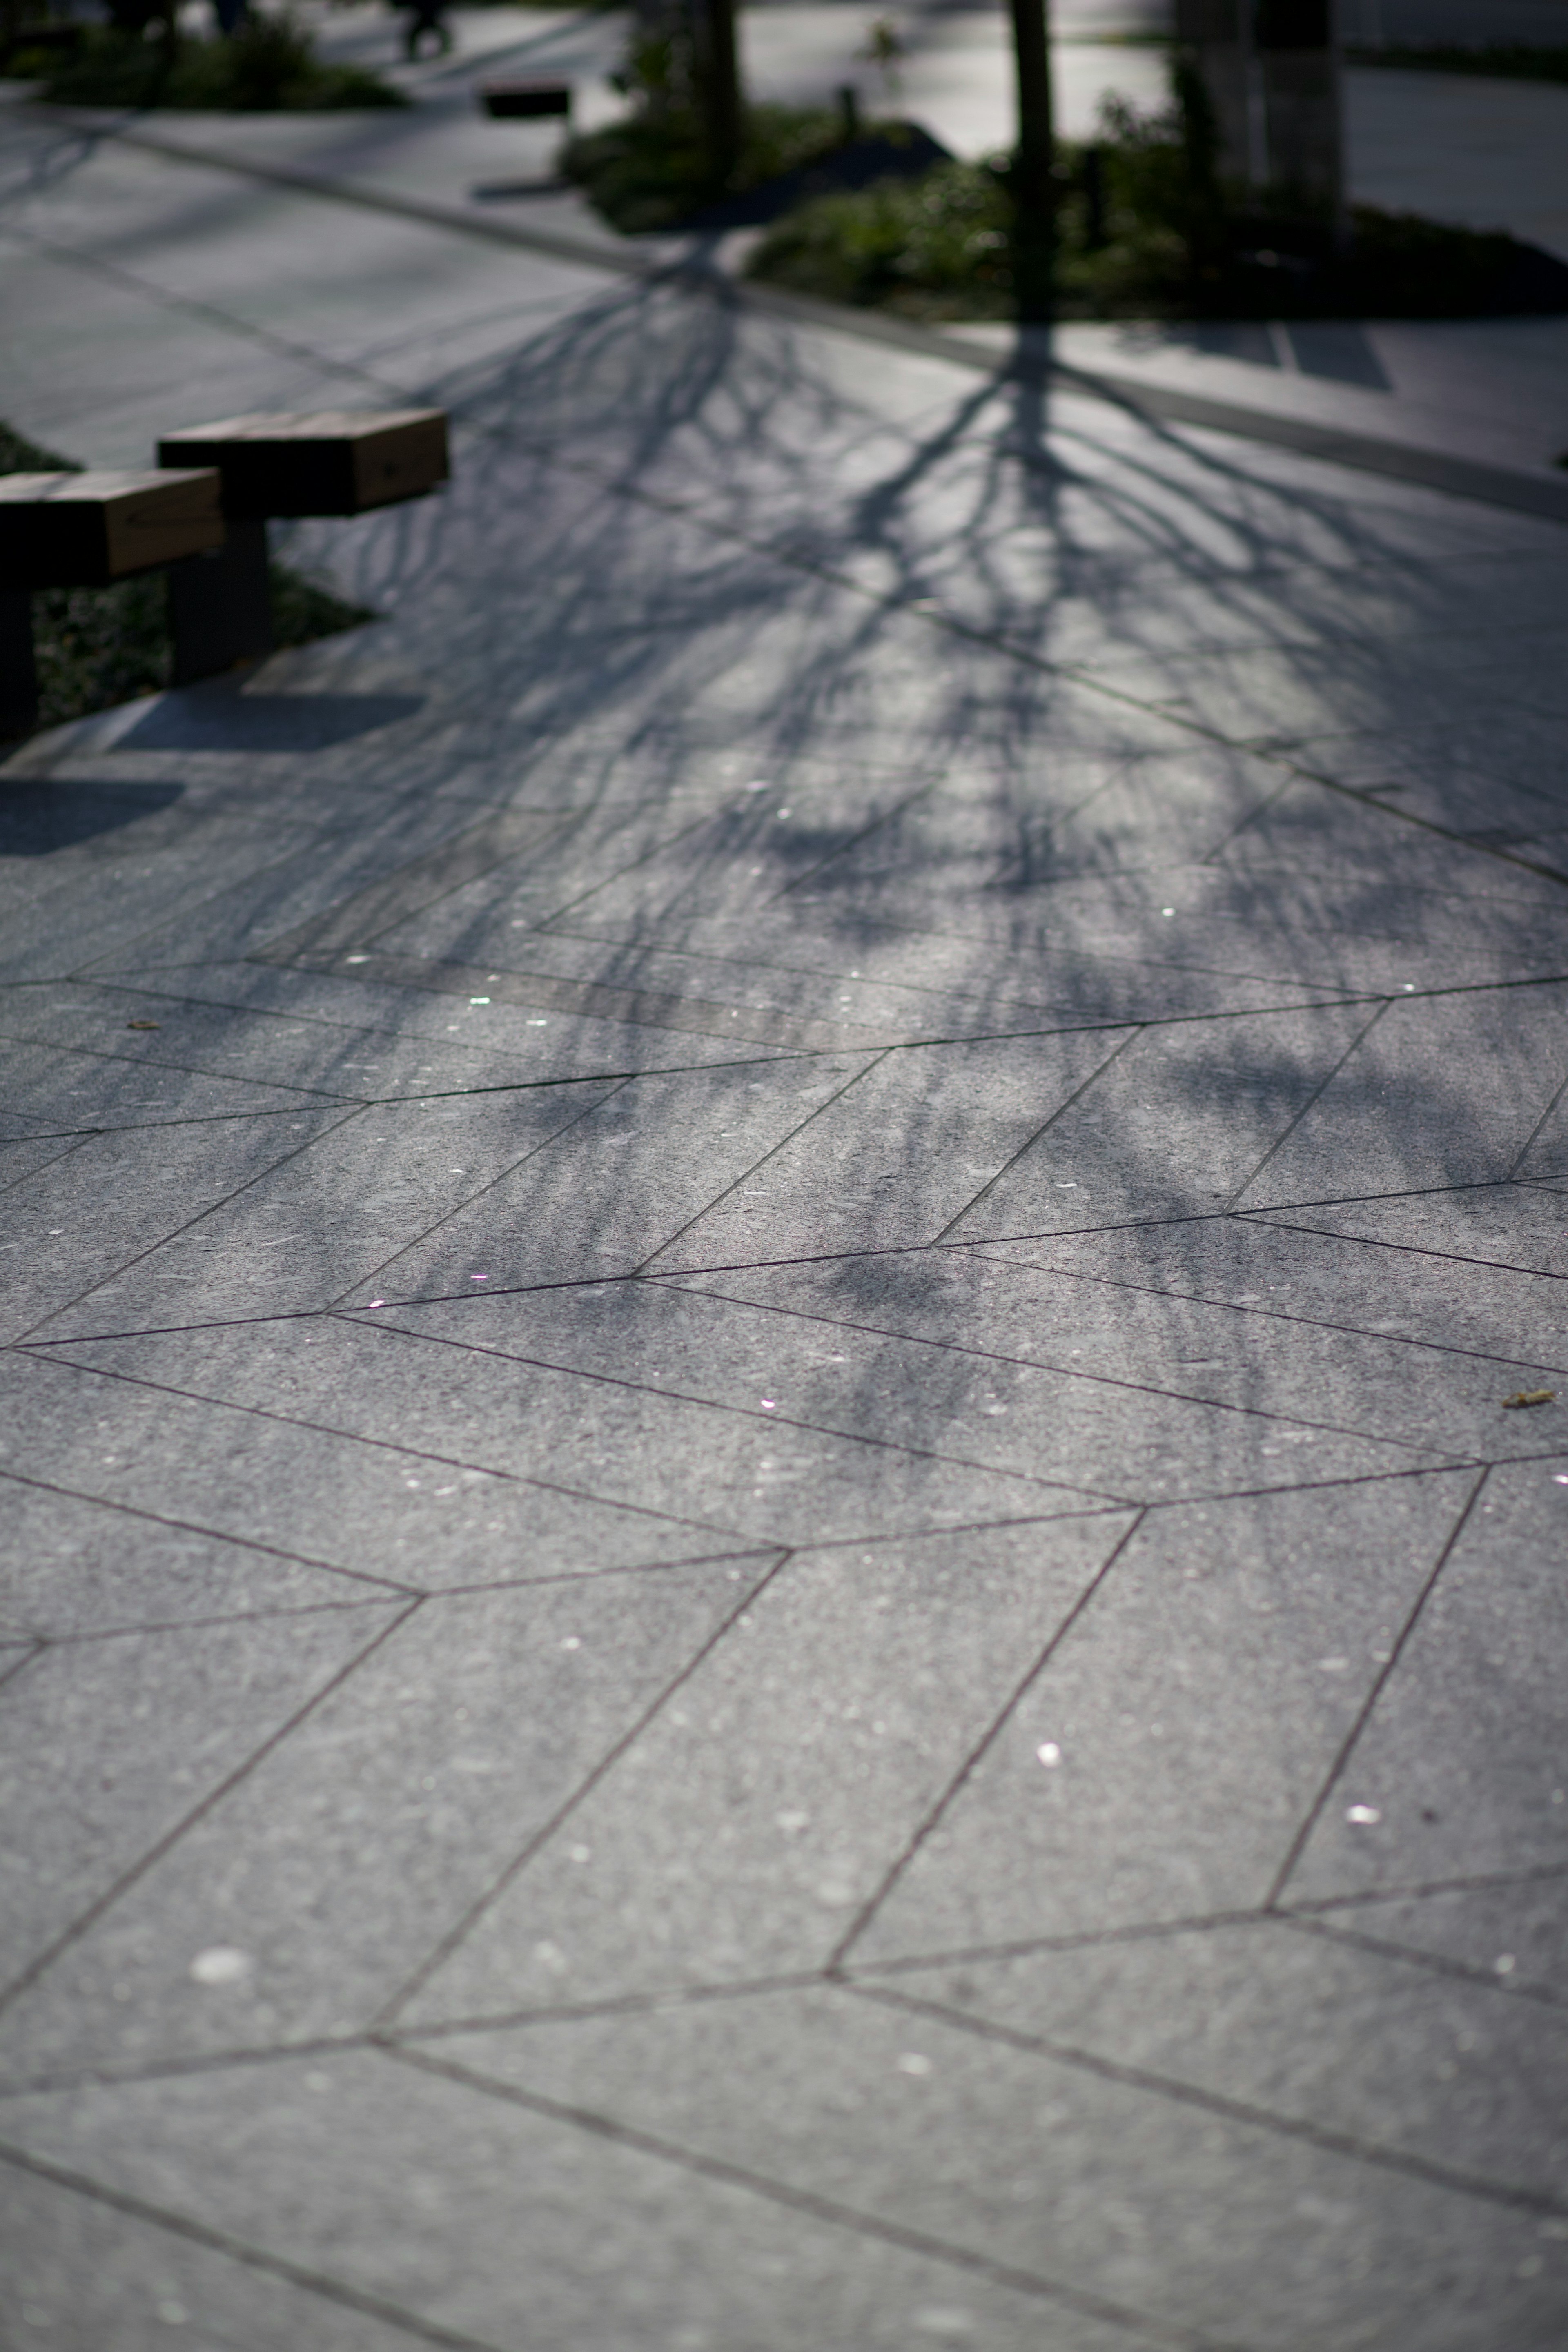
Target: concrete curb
{"type": "Point", "coordinates": [1523, 491]}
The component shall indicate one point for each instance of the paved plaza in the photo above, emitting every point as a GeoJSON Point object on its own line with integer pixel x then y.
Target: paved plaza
{"type": "Point", "coordinates": [889, 1674]}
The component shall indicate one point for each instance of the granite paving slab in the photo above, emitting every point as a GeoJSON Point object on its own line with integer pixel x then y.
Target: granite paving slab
{"type": "Point", "coordinates": [1506, 1224]}
{"type": "Point", "coordinates": [344, 1205]}
{"type": "Point", "coordinates": [90, 1801]}
{"type": "Point", "coordinates": [1135, 1348]}
{"type": "Point", "coordinates": [69, 1093]}
{"type": "Point", "coordinates": [1501, 781]}
{"type": "Point", "coordinates": [816, 1379]}
{"type": "Point", "coordinates": [1302, 1275]}
{"type": "Point", "coordinates": [894, 1158]}
{"type": "Point", "coordinates": [767, 1804]}
{"type": "Point", "coordinates": [492, 2221]}
{"type": "Point", "coordinates": [72, 1568]}
{"type": "Point", "coordinates": [90, 2271]}
{"type": "Point", "coordinates": [260, 1045]}
{"type": "Point", "coordinates": [1448, 1090]}
{"type": "Point", "coordinates": [1097, 2184]}
{"type": "Point", "coordinates": [125, 1189]}
{"type": "Point", "coordinates": [768, 835]}
{"type": "Point", "coordinates": [414, 1789]}
{"type": "Point", "coordinates": [1489, 1797]}
{"type": "Point", "coordinates": [1377, 940]}
{"type": "Point", "coordinates": [466, 1405]}
{"type": "Point", "coordinates": [1284, 694]}
{"type": "Point", "coordinates": [1137, 1778]}
{"type": "Point", "coordinates": [483, 1035]}
{"type": "Point", "coordinates": [1045, 815]}
{"type": "Point", "coordinates": [1180, 1121]}
{"type": "Point", "coordinates": [620, 1183]}
{"type": "Point", "coordinates": [1507, 1933]}
{"type": "Point", "coordinates": [95, 912]}
{"type": "Point", "coordinates": [274, 1470]}
{"type": "Point", "coordinates": [1258, 2013]}
{"type": "Point", "coordinates": [1066, 989]}
{"type": "Point", "coordinates": [1362, 841]}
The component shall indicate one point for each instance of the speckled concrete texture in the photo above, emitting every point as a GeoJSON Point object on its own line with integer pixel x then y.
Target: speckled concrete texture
{"type": "Point", "coordinates": [764, 1585]}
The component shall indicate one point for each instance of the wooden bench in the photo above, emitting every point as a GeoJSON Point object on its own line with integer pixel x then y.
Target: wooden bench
{"type": "Point", "coordinates": [510, 99]}
{"type": "Point", "coordinates": [202, 516]}
{"type": "Point", "coordinates": [322, 462]}
{"type": "Point", "coordinates": [86, 531]}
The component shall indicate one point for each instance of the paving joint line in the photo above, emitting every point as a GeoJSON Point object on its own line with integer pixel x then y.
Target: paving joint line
{"type": "Point", "coordinates": [865, 1914]}
{"type": "Point", "coordinates": [822, 2209]}
{"type": "Point", "coordinates": [1274, 1899]}
{"type": "Point", "coordinates": [737, 1537]}
{"type": "Point", "coordinates": [181, 2225]}
{"type": "Point", "coordinates": [1022, 1363]}
{"type": "Point", "coordinates": [1512, 2195]}
{"type": "Point", "coordinates": [389, 1588]}
{"type": "Point", "coordinates": [468, 1919]}
{"type": "Point", "coordinates": [1278, 1314]}
{"type": "Point", "coordinates": [1435, 1963]}
{"type": "Point", "coordinates": [46, 1958]}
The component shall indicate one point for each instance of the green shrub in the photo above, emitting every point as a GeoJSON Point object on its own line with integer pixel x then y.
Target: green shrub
{"type": "Point", "coordinates": [1170, 240]}
{"type": "Point", "coordinates": [95, 647]}
{"type": "Point", "coordinates": [653, 169]}
{"type": "Point", "coordinates": [267, 66]}
{"type": "Point", "coordinates": [937, 247]}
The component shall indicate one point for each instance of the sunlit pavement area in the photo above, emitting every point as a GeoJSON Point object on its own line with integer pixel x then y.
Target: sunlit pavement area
{"type": "Point", "coordinates": [889, 1674]}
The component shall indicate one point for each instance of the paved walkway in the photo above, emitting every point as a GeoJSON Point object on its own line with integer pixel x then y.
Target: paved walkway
{"type": "Point", "coordinates": [1488, 393]}
{"type": "Point", "coordinates": [889, 1674]}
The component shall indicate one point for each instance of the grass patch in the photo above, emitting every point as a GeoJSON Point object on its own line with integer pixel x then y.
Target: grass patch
{"type": "Point", "coordinates": [96, 647]}
{"type": "Point", "coordinates": [269, 66]}
{"type": "Point", "coordinates": [1498, 60]}
{"type": "Point", "coordinates": [653, 169]}
{"type": "Point", "coordinates": [1145, 230]}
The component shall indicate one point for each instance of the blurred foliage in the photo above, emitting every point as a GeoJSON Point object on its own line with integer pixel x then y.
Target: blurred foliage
{"type": "Point", "coordinates": [939, 247]}
{"type": "Point", "coordinates": [95, 647]}
{"type": "Point", "coordinates": [268, 65]}
{"type": "Point", "coordinates": [1145, 228]}
{"type": "Point", "coordinates": [653, 170]}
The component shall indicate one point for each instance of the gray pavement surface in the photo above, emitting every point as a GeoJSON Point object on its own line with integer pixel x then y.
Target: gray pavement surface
{"type": "Point", "coordinates": [889, 1674]}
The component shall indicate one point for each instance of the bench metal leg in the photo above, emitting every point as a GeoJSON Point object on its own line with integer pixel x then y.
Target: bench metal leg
{"type": "Point", "coordinates": [19, 670]}
{"type": "Point", "coordinates": [220, 610]}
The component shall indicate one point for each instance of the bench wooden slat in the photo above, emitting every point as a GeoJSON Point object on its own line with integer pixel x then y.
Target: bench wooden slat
{"type": "Point", "coordinates": [83, 530]}
{"type": "Point", "coordinates": [325, 462]}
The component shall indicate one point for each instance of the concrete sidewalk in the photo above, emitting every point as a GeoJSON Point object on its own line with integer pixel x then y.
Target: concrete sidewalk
{"type": "Point", "coordinates": [889, 1674]}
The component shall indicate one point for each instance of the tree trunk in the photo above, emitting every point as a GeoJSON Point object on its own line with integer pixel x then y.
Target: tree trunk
{"type": "Point", "coordinates": [1034, 189]}
{"type": "Point", "coordinates": [718, 82]}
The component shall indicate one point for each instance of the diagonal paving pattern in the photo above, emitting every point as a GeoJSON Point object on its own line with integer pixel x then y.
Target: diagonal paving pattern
{"type": "Point", "coordinates": [765, 1581]}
